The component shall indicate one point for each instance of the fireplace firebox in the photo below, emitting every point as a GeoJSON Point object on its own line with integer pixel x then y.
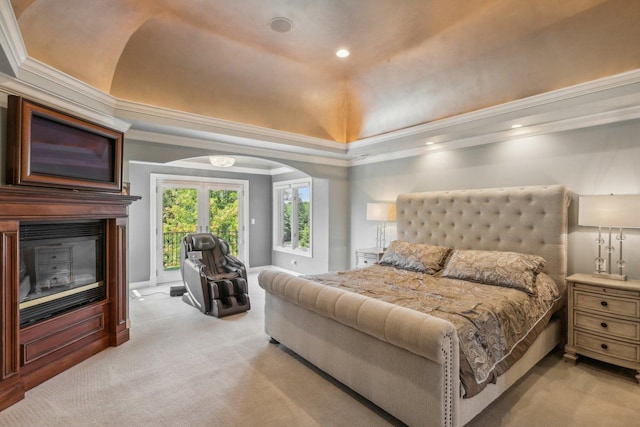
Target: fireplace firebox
{"type": "Point", "coordinates": [61, 268]}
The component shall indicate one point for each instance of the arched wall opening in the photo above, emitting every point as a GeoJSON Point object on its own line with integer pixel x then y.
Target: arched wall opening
{"type": "Point", "coordinates": [330, 204]}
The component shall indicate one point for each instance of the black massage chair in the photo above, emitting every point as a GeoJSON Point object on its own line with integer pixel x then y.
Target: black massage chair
{"type": "Point", "coordinates": [215, 281]}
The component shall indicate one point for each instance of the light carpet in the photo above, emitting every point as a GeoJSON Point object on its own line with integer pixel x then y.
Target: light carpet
{"type": "Point", "coordinates": [182, 368]}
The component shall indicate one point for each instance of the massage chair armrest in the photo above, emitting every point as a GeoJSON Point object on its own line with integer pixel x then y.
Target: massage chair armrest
{"type": "Point", "coordinates": [234, 264]}
{"type": "Point", "coordinates": [196, 265]}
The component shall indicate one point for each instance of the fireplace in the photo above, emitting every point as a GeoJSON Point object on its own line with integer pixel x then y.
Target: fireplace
{"type": "Point", "coordinates": [63, 282]}
{"type": "Point", "coordinates": [61, 268]}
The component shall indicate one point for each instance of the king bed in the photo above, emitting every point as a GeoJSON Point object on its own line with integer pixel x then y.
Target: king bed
{"type": "Point", "coordinates": [467, 299]}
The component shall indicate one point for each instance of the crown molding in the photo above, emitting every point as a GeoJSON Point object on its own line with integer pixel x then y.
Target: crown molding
{"type": "Point", "coordinates": [218, 147]}
{"type": "Point", "coordinates": [599, 119]}
{"type": "Point", "coordinates": [163, 116]}
{"type": "Point", "coordinates": [57, 81]}
{"type": "Point", "coordinates": [579, 94]}
{"type": "Point", "coordinates": [10, 38]}
{"type": "Point", "coordinates": [389, 146]}
{"type": "Point", "coordinates": [42, 83]}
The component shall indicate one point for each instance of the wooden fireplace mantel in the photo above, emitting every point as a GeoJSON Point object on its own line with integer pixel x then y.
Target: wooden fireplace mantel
{"type": "Point", "coordinates": [36, 353]}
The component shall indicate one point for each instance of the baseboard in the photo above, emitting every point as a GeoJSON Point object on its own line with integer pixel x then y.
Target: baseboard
{"type": "Point", "coordinates": [139, 285]}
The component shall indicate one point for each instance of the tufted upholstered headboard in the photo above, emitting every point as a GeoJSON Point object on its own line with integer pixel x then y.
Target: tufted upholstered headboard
{"type": "Point", "coordinates": [527, 219]}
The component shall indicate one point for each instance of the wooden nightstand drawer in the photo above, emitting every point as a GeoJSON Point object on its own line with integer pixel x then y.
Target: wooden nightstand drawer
{"type": "Point", "coordinates": [367, 257]}
{"type": "Point", "coordinates": [608, 347]}
{"type": "Point", "coordinates": [599, 289]}
{"type": "Point", "coordinates": [366, 261]}
{"type": "Point", "coordinates": [607, 326]}
{"type": "Point", "coordinates": [606, 304]}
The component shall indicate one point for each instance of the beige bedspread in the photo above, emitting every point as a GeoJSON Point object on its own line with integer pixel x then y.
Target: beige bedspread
{"type": "Point", "coordinates": [493, 323]}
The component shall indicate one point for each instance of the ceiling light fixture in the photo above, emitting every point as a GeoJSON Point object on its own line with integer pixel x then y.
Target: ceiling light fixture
{"type": "Point", "coordinates": [281, 25]}
{"type": "Point", "coordinates": [222, 161]}
{"type": "Point", "coordinates": [342, 53]}
{"type": "Point", "coordinates": [516, 126]}
{"type": "Point", "coordinates": [429, 142]}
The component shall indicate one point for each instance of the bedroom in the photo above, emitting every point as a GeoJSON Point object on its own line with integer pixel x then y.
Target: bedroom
{"type": "Point", "coordinates": [592, 158]}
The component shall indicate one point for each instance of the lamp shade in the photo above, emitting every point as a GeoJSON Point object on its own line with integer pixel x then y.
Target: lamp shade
{"type": "Point", "coordinates": [609, 211]}
{"type": "Point", "coordinates": [381, 211]}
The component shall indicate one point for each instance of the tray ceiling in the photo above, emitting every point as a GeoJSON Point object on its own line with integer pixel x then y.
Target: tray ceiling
{"type": "Point", "coordinates": [411, 62]}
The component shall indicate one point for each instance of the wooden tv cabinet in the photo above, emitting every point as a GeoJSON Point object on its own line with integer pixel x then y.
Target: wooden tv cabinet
{"type": "Point", "coordinates": [38, 352]}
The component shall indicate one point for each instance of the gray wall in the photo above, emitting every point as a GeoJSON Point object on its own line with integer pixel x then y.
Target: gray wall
{"type": "Point", "coordinates": [598, 160]}
{"type": "Point", "coordinates": [330, 206]}
{"type": "Point", "coordinates": [330, 221]}
{"type": "Point", "coordinates": [138, 174]}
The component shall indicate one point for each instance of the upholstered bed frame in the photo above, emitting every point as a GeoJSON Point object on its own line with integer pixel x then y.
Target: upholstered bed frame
{"type": "Point", "coordinates": [404, 361]}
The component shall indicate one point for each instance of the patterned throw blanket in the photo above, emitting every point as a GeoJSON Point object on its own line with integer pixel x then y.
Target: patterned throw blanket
{"type": "Point", "coordinates": [491, 320]}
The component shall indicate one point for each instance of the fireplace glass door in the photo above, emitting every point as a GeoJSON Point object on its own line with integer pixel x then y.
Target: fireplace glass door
{"type": "Point", "coordinates": [61, 268]}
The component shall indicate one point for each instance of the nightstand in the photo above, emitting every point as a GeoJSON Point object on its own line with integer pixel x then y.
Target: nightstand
{"type": "Point", "coordinates": [604, 320]}
{"type": "Point", "coordinates": [367, 257]}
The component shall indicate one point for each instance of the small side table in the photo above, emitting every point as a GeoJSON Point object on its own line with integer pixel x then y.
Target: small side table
{"type": "Point", "coordinates": [604, 320]}
{"type": "Point", "coordinates": [368, 256]}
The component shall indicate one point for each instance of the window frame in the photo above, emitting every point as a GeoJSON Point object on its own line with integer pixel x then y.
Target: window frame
{"type": "Point", "coordinates": [278, 212]}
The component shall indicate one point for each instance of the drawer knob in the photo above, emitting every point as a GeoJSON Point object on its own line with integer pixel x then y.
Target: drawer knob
{"type": "Point", "coordinates": [604, 303]}
{"type": "Point", "coordinates": [604, 325]}
{"type": "Point", "coordinates": [604, 346]}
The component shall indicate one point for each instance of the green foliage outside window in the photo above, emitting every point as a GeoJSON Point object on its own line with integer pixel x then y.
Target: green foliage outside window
{"type": "Point", "coordinates": [286, 198]}
{"type": "Point", "coordinates": [304, 231]}
{"type": "Point", "coordinates": [180, 217]}
{"type": "Point", "coordinates": [223, 214]}
{"type": "Point", "coordinates": [179, 209]}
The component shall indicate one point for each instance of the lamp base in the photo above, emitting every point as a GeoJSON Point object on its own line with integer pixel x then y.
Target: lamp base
{"type": "Point", "coordinates": [609, 276]}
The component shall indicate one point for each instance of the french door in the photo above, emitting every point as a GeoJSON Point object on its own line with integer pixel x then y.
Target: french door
{"type": "Point", "coordinates": [196, 205]}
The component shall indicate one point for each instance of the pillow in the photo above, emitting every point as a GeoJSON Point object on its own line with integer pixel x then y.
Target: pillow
{"type": "Point", "coordinates": [509, 269]}
{"type": "Point", "coordinates": [415, 256]}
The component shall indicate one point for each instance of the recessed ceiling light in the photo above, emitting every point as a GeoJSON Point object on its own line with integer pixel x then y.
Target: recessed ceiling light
{"type": "Point", "coordinates": [516, 126]}
{"type": "Point", "coordinates": [429, 142]}
{"type": "Point", "coordinates": [342, 53]}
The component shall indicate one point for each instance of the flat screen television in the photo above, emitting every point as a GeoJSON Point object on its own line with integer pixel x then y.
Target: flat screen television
{"type": "Point", "coordinates": [49, 148]}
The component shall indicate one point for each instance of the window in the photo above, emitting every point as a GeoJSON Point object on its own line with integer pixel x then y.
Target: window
{"type": "Point", "coordinates": [292, 216]}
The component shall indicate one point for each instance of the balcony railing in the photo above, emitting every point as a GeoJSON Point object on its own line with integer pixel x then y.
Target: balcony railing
{"type": "Point", "coordinates": [173, 240]}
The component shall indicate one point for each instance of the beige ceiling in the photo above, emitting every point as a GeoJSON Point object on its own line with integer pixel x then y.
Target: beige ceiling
{"type": "Point", "coordinates": [411, 62]}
